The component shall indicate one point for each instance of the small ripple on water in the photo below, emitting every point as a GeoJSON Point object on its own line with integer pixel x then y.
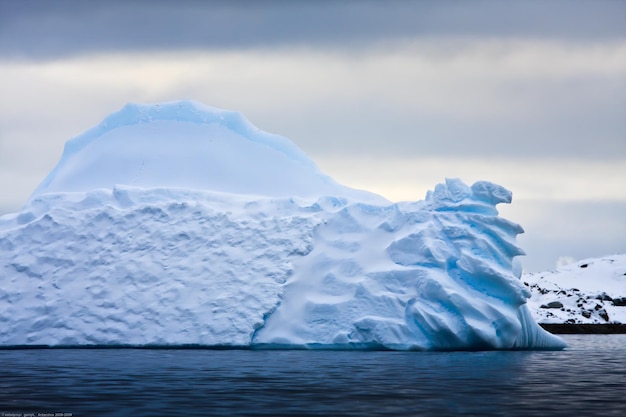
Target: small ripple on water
{"type": "Point", "coordinates": [586, 379]}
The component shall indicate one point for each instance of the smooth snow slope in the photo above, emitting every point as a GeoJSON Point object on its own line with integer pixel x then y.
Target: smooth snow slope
{"type": "Point", "coordinates": [189, 145]}
{"type": "Point", "coordinates": [231, 255]}
{"type": "Point", "coordinates": [591, 291]}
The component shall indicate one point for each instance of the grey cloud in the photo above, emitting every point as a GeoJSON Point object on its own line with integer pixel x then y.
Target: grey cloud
{"type": "Point", "coordinates": [580, 229]}
{"type": "Point", "coordinates": [369, 128]}
{"type": "Point", "coordinates": [42, 29]}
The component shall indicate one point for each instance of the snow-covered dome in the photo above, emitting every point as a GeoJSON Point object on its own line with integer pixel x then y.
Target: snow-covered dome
{"type": "Point", "coordinates": [185, 144]}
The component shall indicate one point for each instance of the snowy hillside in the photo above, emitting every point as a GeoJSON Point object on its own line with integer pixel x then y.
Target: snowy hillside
{"type": "Point", "coordinates": [590, 291]}
{"type": "Point", "coordinates": [178, 224]}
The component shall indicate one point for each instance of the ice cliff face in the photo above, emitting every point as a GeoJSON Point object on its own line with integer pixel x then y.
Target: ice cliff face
{"type": "Point", "coordinates": [428, 275]}
{"type": "Point", "coordinates": [262, 251]}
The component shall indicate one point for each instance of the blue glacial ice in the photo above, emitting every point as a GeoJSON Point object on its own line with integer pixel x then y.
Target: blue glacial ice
{"type": "Point", "coordinates": [181, 224]}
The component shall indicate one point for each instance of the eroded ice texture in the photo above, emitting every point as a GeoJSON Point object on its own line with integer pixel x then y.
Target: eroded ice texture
{"type": "Point", "coordinates": [181, 224]}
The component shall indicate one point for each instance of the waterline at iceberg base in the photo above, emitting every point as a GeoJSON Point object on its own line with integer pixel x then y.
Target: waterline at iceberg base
{"type": "Point", "coordinates": [179, 224]}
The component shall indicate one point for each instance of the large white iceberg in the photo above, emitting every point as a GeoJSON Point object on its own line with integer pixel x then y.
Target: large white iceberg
{"type": "Point", "coordinates": [181, 224]}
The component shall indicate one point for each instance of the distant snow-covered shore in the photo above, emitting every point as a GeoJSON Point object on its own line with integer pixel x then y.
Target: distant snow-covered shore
{"type": "Point", "coordinates": [588, 292]}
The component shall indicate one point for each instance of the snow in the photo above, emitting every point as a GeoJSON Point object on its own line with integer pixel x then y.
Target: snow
{"type": "Point", "coordinates": [177, 224]}
{"type": "Point", "coordinates": [189, 145]}
{"type": "Point", "coordinates": [590, 291]}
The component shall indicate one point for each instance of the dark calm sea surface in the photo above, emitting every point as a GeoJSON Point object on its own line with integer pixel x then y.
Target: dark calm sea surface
{"type": "Point", "coordinates": [587, 379]}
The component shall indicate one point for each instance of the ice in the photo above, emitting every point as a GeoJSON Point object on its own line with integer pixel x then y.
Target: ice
{"type": "Point", "coordinates": [180, 224]}
{"type": "Point", "coordinates": [188, 145]}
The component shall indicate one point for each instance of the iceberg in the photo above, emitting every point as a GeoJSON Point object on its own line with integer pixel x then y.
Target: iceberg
{"type": "Point", "coordinates": [180, 224]}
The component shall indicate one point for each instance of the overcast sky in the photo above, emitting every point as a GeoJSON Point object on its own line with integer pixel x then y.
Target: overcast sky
{"type": "Point", "coordinates": [390, 96]}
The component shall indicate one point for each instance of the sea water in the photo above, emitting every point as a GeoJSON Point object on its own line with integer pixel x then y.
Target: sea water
{"type": "Point", "coordinates": [587, 379]}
